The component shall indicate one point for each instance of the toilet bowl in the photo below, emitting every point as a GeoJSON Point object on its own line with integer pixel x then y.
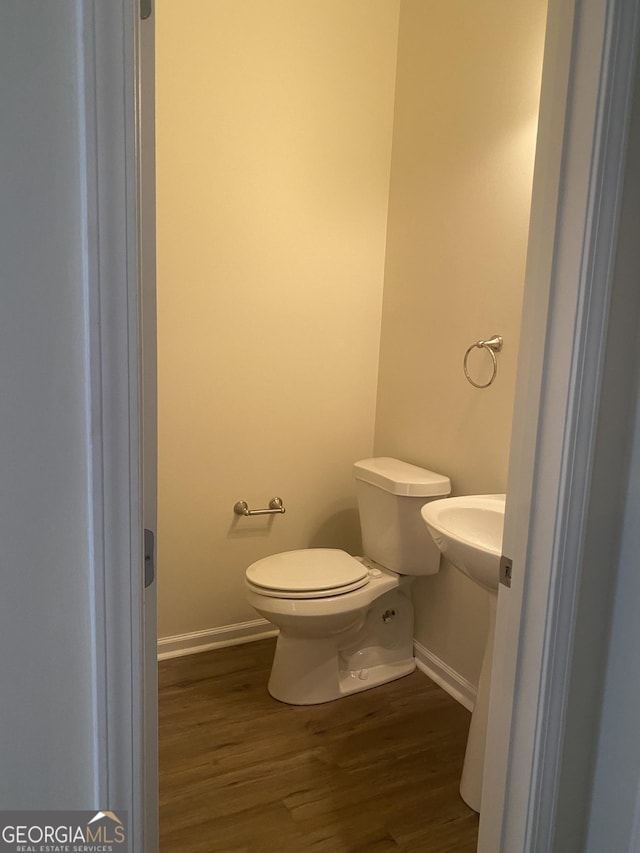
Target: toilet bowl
{"type": "Point", "coordinates": [346, 623]}
{"type": "Point", "coordinates": [333, 640]}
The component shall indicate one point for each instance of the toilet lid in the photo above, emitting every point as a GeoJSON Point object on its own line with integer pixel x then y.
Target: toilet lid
{"type": "Point", "coordinates": [308, 573]}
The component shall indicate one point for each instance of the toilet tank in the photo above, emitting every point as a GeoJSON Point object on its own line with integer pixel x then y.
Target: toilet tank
{"type": "Point", "coordinates": [390, 495]}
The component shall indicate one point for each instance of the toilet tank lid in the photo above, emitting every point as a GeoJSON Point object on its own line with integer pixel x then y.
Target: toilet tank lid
{"type": "Point", "coordinates": [401, 478]}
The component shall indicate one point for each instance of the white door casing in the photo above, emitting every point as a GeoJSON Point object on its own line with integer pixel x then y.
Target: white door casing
{"type": "Point", "coordinates": [108, 57]}
{"type": "Point", "coordinates": [585, 104]}
{"type": "Point", "coordinates": [147, 236]}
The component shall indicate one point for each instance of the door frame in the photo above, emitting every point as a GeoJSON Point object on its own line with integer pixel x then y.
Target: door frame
{"type": "Point", "coordinates": [107, 80]}
{"type": "Point", "coordinates": [576, 187]}
{"type": "Point", "coordinates": [587, 87]}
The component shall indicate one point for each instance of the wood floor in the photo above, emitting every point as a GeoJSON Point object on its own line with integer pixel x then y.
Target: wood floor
{"type": "Point", "coordinates": [241, 773]}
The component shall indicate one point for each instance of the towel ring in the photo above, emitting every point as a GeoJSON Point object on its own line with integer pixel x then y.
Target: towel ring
{"type": "Point", "coordinates": [492, 346]}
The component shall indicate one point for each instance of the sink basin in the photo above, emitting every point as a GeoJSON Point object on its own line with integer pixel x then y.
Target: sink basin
{"type": "Point", "coordinates": [468, 532]}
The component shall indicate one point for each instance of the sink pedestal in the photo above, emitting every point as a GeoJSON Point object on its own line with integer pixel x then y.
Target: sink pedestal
{"type": "Point", "coordinates": [468, 532]}
{"type": "Point", "coordinates": [471, 782]}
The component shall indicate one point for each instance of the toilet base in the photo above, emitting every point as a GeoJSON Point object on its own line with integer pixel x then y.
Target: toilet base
{"type": "Point", "coordinates": [377, 649]}
{"type": "Point", "coordinates": [307, 673]}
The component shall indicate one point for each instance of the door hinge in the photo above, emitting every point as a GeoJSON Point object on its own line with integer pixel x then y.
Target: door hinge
{"type": "Point", "coordinates": [506, 567]}
{"type": "Point", "coordinates": [145, 9]}
{"type": "Point", "coordinates": [149, 557]}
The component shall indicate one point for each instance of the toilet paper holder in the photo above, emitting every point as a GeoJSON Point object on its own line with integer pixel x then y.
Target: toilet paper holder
{"type": "Point", "coordinates": [275, 506]}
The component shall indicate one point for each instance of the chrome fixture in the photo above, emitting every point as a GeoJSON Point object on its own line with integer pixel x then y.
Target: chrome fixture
{"type": "Point", "coordinates": [492, 346]}
{"type": "Point", "coordinates": [275, 505]}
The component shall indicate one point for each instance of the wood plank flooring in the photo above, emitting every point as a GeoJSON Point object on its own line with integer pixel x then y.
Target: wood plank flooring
{"type": "Point", "coordinates": [242, 773]}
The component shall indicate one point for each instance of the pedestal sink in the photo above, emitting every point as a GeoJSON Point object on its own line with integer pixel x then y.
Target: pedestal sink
{"type": "Point", "coordinates": [468, 532]}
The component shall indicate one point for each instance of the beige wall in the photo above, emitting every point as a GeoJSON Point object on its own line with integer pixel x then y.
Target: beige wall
{"type": "Point", "coordinates": [274, 133]}
{"type": "Point", "coordinates": [464, 135]}
{"type": "Point", "coordinates": [274, 125]}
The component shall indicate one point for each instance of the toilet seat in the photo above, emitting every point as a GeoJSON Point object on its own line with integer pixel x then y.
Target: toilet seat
{"type": "Point", "coordinates": [307, 573]}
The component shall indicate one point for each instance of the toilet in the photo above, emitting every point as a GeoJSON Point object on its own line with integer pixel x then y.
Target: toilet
{"type": "Point", "coordinates": [346, 623]}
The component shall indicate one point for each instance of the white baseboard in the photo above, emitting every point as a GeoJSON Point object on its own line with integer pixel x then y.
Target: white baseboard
{"type": "Point", "coordinates": [215, 638]}
{"type": "Point", "coordinates": [259, 629]}
{"type": "Point", "coordinates": [453, 683]}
